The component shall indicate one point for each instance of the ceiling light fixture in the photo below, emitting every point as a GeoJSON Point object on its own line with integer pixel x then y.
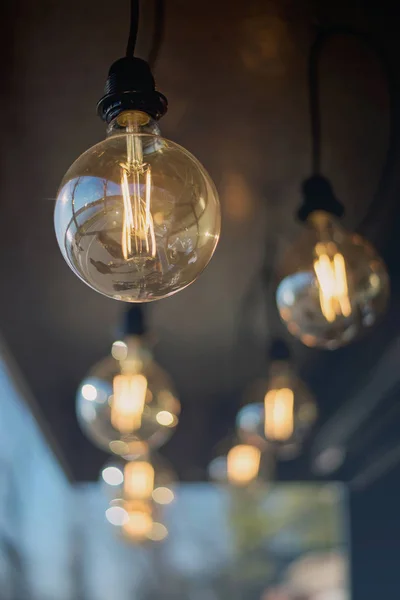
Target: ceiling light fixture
{"type": "Point", "coordinates": [333, 283]}
{"type": "Point", "coordinates": [131, 399]}
{"type": "Point", "coordinates": [137, 217]}
{"type": "Point", "coordinates": [280, 410]}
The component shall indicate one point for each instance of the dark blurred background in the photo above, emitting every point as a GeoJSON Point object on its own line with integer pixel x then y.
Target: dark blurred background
{"type": "Point", "coordinates": [235, 74]}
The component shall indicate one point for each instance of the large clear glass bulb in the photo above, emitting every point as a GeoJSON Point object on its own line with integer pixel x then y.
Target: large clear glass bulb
{"type": "Point", "coordinates": [137, 217]}
{"type": "Point", "coordinates": [333, 284]}
{"type": "Point", "coordinates": [127, 399]}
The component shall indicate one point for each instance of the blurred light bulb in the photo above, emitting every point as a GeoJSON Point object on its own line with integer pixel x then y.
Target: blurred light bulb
{"type": "Point", "coordinates": [333, 284]}
{"type": "Point", "coordinates": [129, 396]}
{"type": "Point", "coordinates": [279, 415]}
{"type": "Point", "coordinates": [137, 217]}
{"type": "Point", "coordinates": [279, 410]}
{"type": "Point", "coordinates": [128, 400]}
{"type": "Point", "coordinates": [145, 479]}
{"type": "Point", "coordinates": [243, 463]}
{"type": "Point", "coordinates": [138, 480]}
{"type": "Point", "coordinates": [138, 525]}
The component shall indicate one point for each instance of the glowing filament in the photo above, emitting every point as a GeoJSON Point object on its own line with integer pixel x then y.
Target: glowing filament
{"type": "Point", "coordinates": [243, 463]}
{"type": "Point", "coordinates": [129, 395]}
{"type": "Point", "coordinates": [333, 287]}
{"type": "Point", "coordinates": [138, 525]}
{"type": "Point", "coordinates": [138, 480]}
{"type": "Point", "coordinates": [138, 239]}
{"type": "Point", "coordinates": [279, 416]}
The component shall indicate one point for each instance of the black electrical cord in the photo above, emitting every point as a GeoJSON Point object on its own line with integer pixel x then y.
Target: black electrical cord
{"type": "Point", "coordinates": [158, 32]}
{"type": "Point", "coordinates": [133, 30]}
{"type": "Point", "coordinates": [369, 42]}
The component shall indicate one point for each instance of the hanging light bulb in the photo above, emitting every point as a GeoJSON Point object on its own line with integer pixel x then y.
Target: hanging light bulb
{"type": "Point", "coordinates": [137, 217]}
{"type": "Point", "coordinates": [332, 283]}
{"type": "Point", "coordinates": [279, 410]}
{"type": "Point", "coordinates": [127, 399]}
{"type": "Point", "coordinates": [140, 524]}
{"type": "Point", "coordinates": [137, 489]}
{"type": "Point", "coordinates": [136, 521]}
{"type": "Point", "coordinates": [243, 464]}
{"type": "Point", "coordinates": [240, 464]}
{"type": "Point", "coordinates": [145, 477]}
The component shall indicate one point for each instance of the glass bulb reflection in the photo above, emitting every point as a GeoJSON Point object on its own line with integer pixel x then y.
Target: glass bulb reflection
{"type": "Point", "coordinates": [333, 284]}
{"type": "Point", "coordinates": [137, 217]}
{"type": "Point", "coordinates": [127, 400]}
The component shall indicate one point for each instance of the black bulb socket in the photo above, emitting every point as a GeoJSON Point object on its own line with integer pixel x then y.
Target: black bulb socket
{"type": "Point", "coordinates": [130, 86]}
{"type": "Point", "coordinates": [317, 195]}
{"type": "Point", "coordinates": [134, 321]}
{"type": "Point", "coordinates": [278, 350]}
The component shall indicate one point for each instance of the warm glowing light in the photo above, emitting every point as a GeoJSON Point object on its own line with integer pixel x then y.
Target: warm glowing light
{"type": "Point", "coordinates": [138, 525]}
{"type": "Point", "coordinates": [138, 480]}
{"type": "Point", "coordinates": [243, 463]}
{"type": "Point", "coordinates": [164, 417]}
{"type": "Point", "coordinates": [158, 532]}
{"type": "Point", "coordinates": [332, 282]}
{"type": "Point", "coordinates": [89, 392]}
{"type": "Point", "coordinates": [163, 495]}
{"type": "Point", "coordinates": [138, 238]}
{"type": "Point", "coordinates": [116, 515]}
{"type": "Point", "coordinates": [129, 395]}
{"type": "Point", "coordinates": [112, 475]}
{"type": "Point", "coordinates": [279, 414]}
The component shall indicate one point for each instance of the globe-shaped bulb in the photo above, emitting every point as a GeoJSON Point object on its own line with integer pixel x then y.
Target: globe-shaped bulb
{"type": "Point", "coordinates": [240, 464]}
{"type": "Point", "coordinates": [332, 284]}
{"type": "Point", "coordinates": [145, 477]}
{"type": "Point", "coordinates": [279, 412]}
{"type": "Point", "coordinates": [127, 399]}
{"type": "Point", "coordinates": [136, 522]}
{"type": "Point", "coordinates": [137, 217]}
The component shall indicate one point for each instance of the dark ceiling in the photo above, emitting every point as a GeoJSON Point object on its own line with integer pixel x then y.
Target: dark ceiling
{"type": "Point", "coordinates": [235, 74]}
